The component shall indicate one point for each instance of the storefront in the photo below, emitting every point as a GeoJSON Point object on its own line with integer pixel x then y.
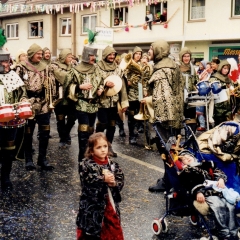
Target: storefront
{"type": "Point", "coordinates": [224, 52]}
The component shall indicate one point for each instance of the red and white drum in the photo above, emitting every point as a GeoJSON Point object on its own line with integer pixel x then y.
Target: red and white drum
{"type": "Point", "coordinates": [15, 123]}
{"type": "Point", "coordinates": [6, 113]}
{"type": "Point", "coordinates": [24, 110]}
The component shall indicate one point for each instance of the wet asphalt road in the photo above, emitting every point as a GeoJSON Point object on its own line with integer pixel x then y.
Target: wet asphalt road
{"type": "Point", "coordinates": [43, 205]}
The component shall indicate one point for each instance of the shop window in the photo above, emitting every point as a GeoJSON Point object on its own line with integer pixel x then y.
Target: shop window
{"type": "Point", "coordinates": [197, 9]}
{"type": "Point", "coordinates": [36, 29]}
{"type": "Point", "coordinates": [236, 7]}
{"type": "Point", "coordinates": [159, 11]}
{"type": "Point", "coordinates": [65, 27]}
{"type": "Point", "coordinates": [120, 16]}
{"type": "Point", "coordinates": [89, 22]}
{"type": "Point", "coordinates": [12, 30]}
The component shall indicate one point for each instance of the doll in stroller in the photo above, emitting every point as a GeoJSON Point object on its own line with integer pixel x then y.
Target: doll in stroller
{"type": "Point", "coordinates": [189, 194]}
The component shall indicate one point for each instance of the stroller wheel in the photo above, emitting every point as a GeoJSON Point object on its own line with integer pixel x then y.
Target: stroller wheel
{"type": "Point", "coordinates": [156, 226]}
{"type": "Point", "coordinates": [164, 224]}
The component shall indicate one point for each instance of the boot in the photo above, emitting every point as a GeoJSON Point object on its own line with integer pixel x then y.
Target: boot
{"type": "Point", "coordinates": [28, 151]}
{"type": "Point", "coordinates": [6, 184]}
{"type": "Point", "coordinates": [132, 140]}
{"type": "Point", "coordinates": [82, 144]}
{"type": "Point", "coordinates": [29, 165]}
{"type": "Point", "coordinates": [43, 144]}
{"type": "Point", "coordinates": [114, 154]}
{"type": "Point", "coordinates": [43, 163]}
{"type": "Point", "coordinates": [159, 187]}
{"type": "Point", "coordinates": [122, 133]}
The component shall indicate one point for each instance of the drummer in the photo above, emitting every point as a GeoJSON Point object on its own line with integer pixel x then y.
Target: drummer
{"type": "Point", "coordinates": [223, 109]}
{"type": "Point", "coordinates": [10, 92]}
{"type": "Point", "coordinates": [107, 108]}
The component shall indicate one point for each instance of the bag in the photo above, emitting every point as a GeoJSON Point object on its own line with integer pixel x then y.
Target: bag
{"type": "Point", "coordinates": [146, 18]}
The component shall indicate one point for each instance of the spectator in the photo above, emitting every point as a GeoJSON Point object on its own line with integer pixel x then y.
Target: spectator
{"type": "Point", "coordinates": [163, 16]}
{"type": "Point", "coordinates": [116, 21]}
{"type": "Point", "coordinates": [149, 19]}
{"type": "Point", "coordinates": [40, 34]}
{"type": "Point", "coordinates": [156, 18]}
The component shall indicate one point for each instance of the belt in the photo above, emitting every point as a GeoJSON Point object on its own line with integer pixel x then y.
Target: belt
{"type": "Point", "coordinates": [92, 100]}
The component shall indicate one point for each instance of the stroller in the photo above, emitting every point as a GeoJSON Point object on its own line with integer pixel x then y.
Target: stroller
{"type": "Point", "coordinates": [178, 200]}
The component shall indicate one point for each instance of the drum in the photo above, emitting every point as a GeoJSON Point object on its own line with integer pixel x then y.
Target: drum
{"type": "Point", "coordinates": [203, 88]}
{"type": "Point", "coordinates": [15, 123]}
{"type": "Point", "coordinates": [24, 110]}
{"type": "Point", "coordinates": [6, 113]}
{"type": "Point", "coordinates": [216, 87]}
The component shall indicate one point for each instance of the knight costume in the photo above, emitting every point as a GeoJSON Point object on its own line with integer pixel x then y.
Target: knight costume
{"type": "Point", "coordinates": [41, 91]}
{"type": "Point", "coordinates": [86, 105]}
{"type": "Point", "coordinates": [107, 107]}
{"type": "Point", "coordinates": [60, 69]}
{"type": "Point", "coordinates": [12, 91]}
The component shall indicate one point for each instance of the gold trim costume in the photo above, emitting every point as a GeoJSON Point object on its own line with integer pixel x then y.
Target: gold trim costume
{"type": "Point", "coordinates": [107, 107]}
{"type": "Point", "coordinates": [85, 101]}
{"type": "Point", "coordinates": [12, 91]}
{"type": "Point", "coordinates": [60, 69]}
{"type": "Point", "coordinates": [41, 91]}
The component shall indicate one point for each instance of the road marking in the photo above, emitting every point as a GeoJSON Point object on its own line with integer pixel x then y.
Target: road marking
{"type": "Point", "coordinates": [141, 162]}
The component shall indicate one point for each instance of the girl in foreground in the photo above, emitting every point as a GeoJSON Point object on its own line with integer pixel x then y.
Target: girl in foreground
{"type": "Point", "coordinates": [102, 180]}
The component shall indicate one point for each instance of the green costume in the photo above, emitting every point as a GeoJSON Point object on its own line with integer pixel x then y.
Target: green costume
{"type": "Point", "coordinates": [223, 111]}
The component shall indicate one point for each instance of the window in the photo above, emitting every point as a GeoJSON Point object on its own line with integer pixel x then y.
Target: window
{"type": "Point", "coordinates": [159, 11]}
{"type": "Point", "coordinates": [236, 7]}
{"type": "Point", "coordinates": [66, 26]}
{"type": "Point", "coordinates": [89, 22]}
{"type": "Point", "coordinates": [120, 16]}
{"type": "Point", "coordinates": [12, 30]}
{"type": "Point", "coordinates": [36, 29]}
{"type": "Point", "coordinates": [197, 9]}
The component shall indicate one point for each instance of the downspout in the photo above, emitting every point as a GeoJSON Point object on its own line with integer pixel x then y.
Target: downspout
{"type": "Point", "coordinates": [73, 35]}
{"type": "Point", "coordinates": [183, 25]}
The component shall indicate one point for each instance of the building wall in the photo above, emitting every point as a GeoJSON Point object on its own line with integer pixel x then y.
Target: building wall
{"type": "Point", "coordinates": [197, 35]}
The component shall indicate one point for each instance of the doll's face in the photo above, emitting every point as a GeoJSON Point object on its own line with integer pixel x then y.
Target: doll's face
{"type": "Point", "coordinates": [100, 149]}
{"type": "Point", "coordinates": [187, 159]}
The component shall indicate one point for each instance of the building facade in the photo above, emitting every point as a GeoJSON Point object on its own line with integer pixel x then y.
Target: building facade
{"type": "Point", "coordinates": [210, 28]}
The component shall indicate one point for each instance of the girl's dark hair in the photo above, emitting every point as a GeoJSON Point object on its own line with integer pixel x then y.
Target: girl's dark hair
{"type": "Point", "coordinates": [216, 60]}
{"type": "Point", "coordinates": [92, 142]}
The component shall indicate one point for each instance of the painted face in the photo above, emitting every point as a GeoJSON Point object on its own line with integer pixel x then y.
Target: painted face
{"type": "Point", "coordinates": [111, 57]}
{"type": "Point", "coordinates": [23, 57]}
{"type": "Point", "coordinates": [68, 59]}
{"type": "Point", "coordinates": [92, 59]}
{"type": "Point", "coordinates": [37, 57]}
{"type": "Point", "coordinates": [100, 150]}
{"type": "Point", "coordinates": [225, 70]}
{"type": "Point", "coordinates": [186, 58]}
{"type": "Point", "coordinates": [214, 66]}
{"type": "Point", "coordinates": [187, 159]}
{"type": "Point", "coordinates": [137, 56]}
{"type": "Point", "coordinates": [47, 55]}
{"type": "Point", "coordinates": [6, 66]}
{"type": "Point", "coordinates": [150, 53]}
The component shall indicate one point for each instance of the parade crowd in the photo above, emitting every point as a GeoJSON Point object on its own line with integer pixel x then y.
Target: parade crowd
{"type": "Point", "coordinates": [147, 87]}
